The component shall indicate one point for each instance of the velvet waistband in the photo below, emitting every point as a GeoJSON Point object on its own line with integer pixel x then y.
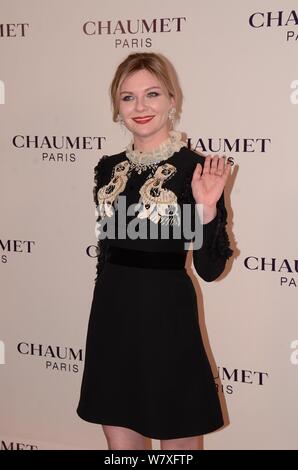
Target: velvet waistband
{"type": "Point", "coordinates": [146, 259]}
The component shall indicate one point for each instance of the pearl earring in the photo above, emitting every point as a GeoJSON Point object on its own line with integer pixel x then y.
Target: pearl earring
{"type": "Point", "coordinates": [120, 119]}
{"type": "Point", "coordinates": [172, 114]}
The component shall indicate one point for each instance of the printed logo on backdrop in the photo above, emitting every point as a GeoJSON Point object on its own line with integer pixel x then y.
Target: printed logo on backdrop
{"type": "Point", "coordinates": [56, 149]}
{"type": "Point", "coordinates": [294, 93]}
{"type": "Point", "coordinates": [2, 352]}
{"type": "Point", "coordinates": [53, 358]}
{"type": "Point", "coordinates": [223, 145]}
{"type": "Point", "coordinates": [2, 92]}
{"type": "Point", "coordinates": [134, 33]}
{"type": "Point", "coordinates": [13, 30]}
{"type": "Point", "coordinates": [294, 353]}
{"type": "Point", "coordinates": [17, 446]}
{"type": "Point", "coordinates": [92, 251]}
{"type": "Point", "coordinates": [284, 269]}
{"type": "Point", "coordinates": [283, 20]}
{"type": "Point", "coordinates": [227, 379]}
{"type": "Point", "coordinates": [14, 246]}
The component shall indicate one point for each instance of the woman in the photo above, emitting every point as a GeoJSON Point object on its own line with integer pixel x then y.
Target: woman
{"type": "Point", "coordinates": [146, 371]}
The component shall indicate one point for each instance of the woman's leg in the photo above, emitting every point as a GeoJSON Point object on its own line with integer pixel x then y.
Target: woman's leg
{"type": "Point", "coordinates": [186, 443]}
{"type": "Point", "coordinates": [119, 438]}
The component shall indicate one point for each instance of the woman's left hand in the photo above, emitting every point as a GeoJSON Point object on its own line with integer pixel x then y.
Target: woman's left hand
{"type": "Point", "coordinates": [207, 186]}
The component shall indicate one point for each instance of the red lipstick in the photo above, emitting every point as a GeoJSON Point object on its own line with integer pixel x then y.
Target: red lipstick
{"type": "Point", "coordinates": [143, 119]}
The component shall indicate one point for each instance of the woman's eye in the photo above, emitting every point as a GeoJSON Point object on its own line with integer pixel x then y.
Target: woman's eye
{"type": "Point", "coordinates": [151, 94]}
{"type": "Point", "coordinates": [127, 98]}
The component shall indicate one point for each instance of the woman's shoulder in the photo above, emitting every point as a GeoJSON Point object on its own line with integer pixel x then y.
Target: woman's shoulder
{"type": "Point", "coordinates": [110, 160]}
{"type": "Point", "coordinates": [190, 158]}
{"type": "Point", "coordinates": [104, 168]}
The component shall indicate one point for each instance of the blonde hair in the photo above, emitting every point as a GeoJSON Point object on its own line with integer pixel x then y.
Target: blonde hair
{"type": "Point", "coordinates": [156, 64]}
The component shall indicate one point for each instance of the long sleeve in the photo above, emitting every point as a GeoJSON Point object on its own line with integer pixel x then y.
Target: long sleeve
{"type": "Point", "coordinates": [210, 260]}
{"type": "Point", "coordinates": [101, 243]}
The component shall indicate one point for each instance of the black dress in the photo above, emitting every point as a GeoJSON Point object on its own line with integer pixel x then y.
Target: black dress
{"type": "Point", "coordinates": [145, 366]}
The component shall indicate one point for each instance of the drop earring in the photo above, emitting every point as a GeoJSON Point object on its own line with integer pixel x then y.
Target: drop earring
{"type": "Point", "coordinates": [120, 119]}
{"type": "Point", "coordinates": [172, 114]}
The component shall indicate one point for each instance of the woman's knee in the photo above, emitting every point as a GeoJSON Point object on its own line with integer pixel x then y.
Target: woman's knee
{"type": "Point", "coordinates": [184, 443]}
{"type": "Point", "coordinates": [119, 438]}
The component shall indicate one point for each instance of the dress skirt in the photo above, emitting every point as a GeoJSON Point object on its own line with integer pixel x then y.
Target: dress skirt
{"type": "Point", "coordinates": [146, 368]}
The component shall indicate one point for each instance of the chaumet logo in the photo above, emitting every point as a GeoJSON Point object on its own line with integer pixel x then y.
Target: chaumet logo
{"type": "Point", "coordinates": [14, 246]}
{"type": "Point", "coordinates": [224, 144]}
{"type": "Point", "coordinates": [284, 266]}
{"type": "Point", "coordinates": [227, 377]}
{"type": "Point", "coordinates": [129, 33]}
{"type": "Point", "coordinates": [56, 149]}
{"type": "Point", "coordinates": [273, 19]}
{"type": "Point", "coordinates": [17, 446]}
{"type": "Point", "coordinates": [294, 93]}
{"type": "Point", "coordinates": [2, 92]}
{"type": "Point", "coordinates": [13, 30]}
{"type": "Point", "coordinates": [2, 352]}
{"type": "Point", "coordinates": [56, 358]}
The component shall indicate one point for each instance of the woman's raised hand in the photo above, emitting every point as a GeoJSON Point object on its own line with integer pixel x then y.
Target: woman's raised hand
{"type": "Point", "coordinates": [208, 183]}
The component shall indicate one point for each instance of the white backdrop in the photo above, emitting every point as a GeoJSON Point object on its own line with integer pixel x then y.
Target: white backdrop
{"type": "Point", "coordinates": [237, 64]}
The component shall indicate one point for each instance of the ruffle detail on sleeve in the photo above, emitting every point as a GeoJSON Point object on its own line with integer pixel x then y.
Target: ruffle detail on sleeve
{"type": "Point", "coordinates": [220, 244]}
{"type": "Point", "coordinates": [98, 177]}
{"type": "Point", "coordinates": [101, 243]}
{"type": "Point", "coordinates": [101, 257]}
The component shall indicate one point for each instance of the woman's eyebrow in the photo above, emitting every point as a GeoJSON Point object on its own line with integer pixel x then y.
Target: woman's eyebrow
{"type": "Point", "coordinates": [150, 88]}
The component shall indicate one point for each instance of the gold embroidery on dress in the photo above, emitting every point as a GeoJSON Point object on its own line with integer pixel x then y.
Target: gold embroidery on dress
{"type": "Point", "coordinates": [108, 193]}
{"type": "Point", "coordinates": [156, 202]}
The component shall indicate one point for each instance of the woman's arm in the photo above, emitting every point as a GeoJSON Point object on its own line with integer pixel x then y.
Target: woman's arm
{"type": "Point", "coordinates": [210, 260]}
{"type": "Point", "coordinates": [99, 181]}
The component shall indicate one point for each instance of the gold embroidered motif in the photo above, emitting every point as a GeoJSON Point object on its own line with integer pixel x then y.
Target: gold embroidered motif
{"type": "Point", "coordinates": [157, 203]}
{"type": "Point", "coordinates": [108, 193]}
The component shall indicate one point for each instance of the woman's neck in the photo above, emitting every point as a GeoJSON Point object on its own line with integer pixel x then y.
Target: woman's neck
{"type": "Point", "coordinates": [149, 143]}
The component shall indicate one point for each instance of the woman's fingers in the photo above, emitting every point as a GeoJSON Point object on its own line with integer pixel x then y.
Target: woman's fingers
{"type": "Point", "coordinates": [227, 169]}
{"type": "Point", "coordinates": [216, 165]}
{"type": "Point", "coordinates": [221, 166]}
{"type": "Point", "coordinates": [207, 162]}
{"type": "Point", "coordinates": [213, 166]}
{"type": "Point", "coordinates": [198, 171]}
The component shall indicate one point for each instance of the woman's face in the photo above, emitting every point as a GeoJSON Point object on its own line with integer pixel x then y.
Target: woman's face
{"type": "Point", "coordinates": [144, 106]}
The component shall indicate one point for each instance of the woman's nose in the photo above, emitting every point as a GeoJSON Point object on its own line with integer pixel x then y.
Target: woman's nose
{"type": "Point", "coordinates": [140, 104]}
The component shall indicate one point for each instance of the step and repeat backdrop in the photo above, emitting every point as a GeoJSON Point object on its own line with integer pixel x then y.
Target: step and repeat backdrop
{"type": "Point", "coordinates": [237, 66]}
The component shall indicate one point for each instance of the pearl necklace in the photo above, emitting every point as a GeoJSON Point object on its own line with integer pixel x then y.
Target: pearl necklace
{"type": "Point", "coordinates": [141, 161]}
